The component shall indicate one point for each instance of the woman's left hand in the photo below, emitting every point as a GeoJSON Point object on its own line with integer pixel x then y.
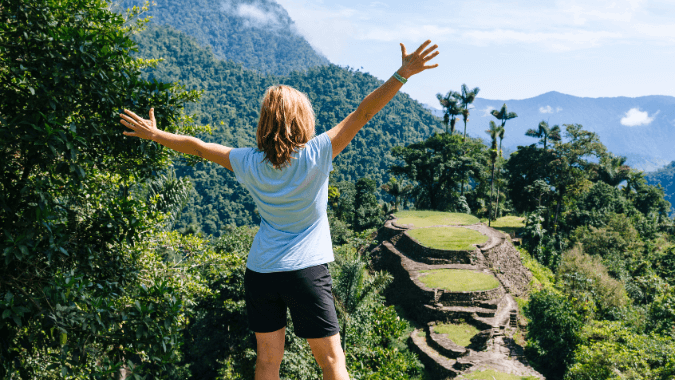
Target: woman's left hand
{"type": "Point", "coordinates": [143, 128]}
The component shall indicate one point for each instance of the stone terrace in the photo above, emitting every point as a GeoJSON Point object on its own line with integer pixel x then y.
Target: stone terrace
{"type": "Point", "coordinates": [491, 311]}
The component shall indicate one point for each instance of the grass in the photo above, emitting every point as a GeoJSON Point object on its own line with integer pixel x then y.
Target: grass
{"type": "Point", "coordinates": [458, 280]}
{"type": "Point", "coordinates": [508, 224]}
{"type": "Point", "coordinates": [420, 218]}
{"type": "Point", "coordinates": [491, 374]}
{"type": "Point", "coordinates": [461, 334]}
{"type": "Point", "coordinates": [448, 238]}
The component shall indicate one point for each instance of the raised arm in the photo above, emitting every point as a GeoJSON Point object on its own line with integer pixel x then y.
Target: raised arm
{"type": "Point", "coordinates": [147, 129]}
{"type": "Point", "coordinates": [343, 133]}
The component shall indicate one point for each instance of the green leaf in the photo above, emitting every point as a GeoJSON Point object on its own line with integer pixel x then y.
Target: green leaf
{"type": "Point", "coordinates": [63, 338]}
{"type": "Point", "coordinates": [32, 91]}
{"type": "Point", "coordinates": [6, 313]}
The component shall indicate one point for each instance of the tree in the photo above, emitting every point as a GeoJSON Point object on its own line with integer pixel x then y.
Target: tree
{"type": "Point", "coordinates": [353, 285]}
{"type": "Point", "coordinates": [503, 115]}
{"type": "Point", "coordinates": [438, 165]}
{"type": "Point", "coordinates": [451, 109]}
{"type": "Point", "coordinates": [494, 132]}
{"type": "Point", "coordinates": [553, 332]}
{"type": "Point", "coordinates": [569, 167]}
{"type": "Point", "coordinates": [545, 133]}
{"type": "Point", "coordinates": [397, 190]}
{"type": "Point", "coordinates": [77, 291]}
{"type": "Point", "coordinates": [612, 170]}
{"type": "Point", "coordinates": [466, 98]}
{"type": "Point", "coordinates": [368, 213]}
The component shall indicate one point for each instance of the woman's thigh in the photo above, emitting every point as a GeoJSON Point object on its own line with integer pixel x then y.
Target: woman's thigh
{"type": "Point", "coordinates": [309, 296]}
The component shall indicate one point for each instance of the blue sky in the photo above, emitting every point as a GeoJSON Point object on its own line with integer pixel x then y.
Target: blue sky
{"type": "Point", "coordinates": [510, 49]}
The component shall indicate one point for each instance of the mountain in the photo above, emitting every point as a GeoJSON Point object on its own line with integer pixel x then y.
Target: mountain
{"type": "Point", "coordinates": [641, 128]}
{"type": "Point", "coordinates": [258, 34]}
{"type": "Point", "coordinates": [230, 103]}
{"type": "Point", "coordinates": [666, 178]}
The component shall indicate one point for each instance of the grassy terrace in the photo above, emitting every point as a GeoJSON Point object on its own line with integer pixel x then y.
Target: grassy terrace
{"type": "Point", "coordinates": [458, 280]}
{"type": "Point", "coordinates": [508, 224]}
{"type": "Point", "coordinates": [491, 374]}
{"type": "Point", "coordinates": [419, 218]}
{"type": "Point", "coordinates": [448, 238]}
{"type": "Point", "coordinates": [461, 334]}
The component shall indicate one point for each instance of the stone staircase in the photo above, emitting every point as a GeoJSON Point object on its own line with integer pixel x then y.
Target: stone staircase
{"type": "Point", "coordinates": [493, 312]}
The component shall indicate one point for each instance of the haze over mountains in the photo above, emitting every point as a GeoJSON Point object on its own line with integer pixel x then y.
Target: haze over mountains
{"type": "Point", "coordinates": [642, 128]}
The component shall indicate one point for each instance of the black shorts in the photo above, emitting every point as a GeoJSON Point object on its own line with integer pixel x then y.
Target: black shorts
{"type": "Point", "coordinates": [308, 293]}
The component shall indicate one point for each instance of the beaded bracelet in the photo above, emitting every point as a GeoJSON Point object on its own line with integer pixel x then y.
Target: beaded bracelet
{"type": "Point", "coordinates": [400, 78]}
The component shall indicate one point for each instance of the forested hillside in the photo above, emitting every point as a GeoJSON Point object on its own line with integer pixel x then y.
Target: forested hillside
{"type": "Point", "coordinates": [666, 178]}
{"type": "Point", "coordinates": [230, 103]}
{"type": "Point", "coordinates": [258, 34]}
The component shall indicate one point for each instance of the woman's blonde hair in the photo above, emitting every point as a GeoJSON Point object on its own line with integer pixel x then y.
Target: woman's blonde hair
{"type": "Point", "coordinates": [286, 124]}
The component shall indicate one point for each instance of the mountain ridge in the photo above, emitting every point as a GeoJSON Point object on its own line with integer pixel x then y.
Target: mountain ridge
{"type": "Point", "coordinates": [640, 128]}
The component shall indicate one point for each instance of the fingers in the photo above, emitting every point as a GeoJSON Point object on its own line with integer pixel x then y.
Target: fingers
{"type": "Point", "coordinates": [419, 49]}
{"type": "Point", "coordinates": [429, 50]}
{"type": "Point", "coordinates": [134, 116]}
{"type": "Point", "coordinates": [431, 56]}
{"type": "Point", "coordinates": [431, 66]}
{"type": "Point", "coordinates": [403, 51]}
{"type": "Point", "coordinates": [152, 115]}
{"type": "Point", "coordinates": [129, 120]}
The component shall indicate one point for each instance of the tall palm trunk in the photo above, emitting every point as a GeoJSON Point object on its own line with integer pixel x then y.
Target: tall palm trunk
{"type": "Point", "coordinates": [492, 187]}
{"type": "Point", "coordinates": [497, 211]}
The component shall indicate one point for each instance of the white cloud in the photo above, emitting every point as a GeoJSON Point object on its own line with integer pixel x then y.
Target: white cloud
{"type": "Point", "coordinates": [634, 118]}
{"type": "Point", "coordinates": [254, 15]}
{"type": "Point", "coordinates": [486, 111]}
{"type": "Point", "coordinates": [549, 109]}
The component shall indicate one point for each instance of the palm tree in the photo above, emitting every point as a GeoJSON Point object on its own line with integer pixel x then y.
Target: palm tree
{"type": "Point", "coordinates": [545, 133]}
{"type": "Point", "coordinates": [451, 109]}
{"type": "Point", "coordinates": [353, 285]}
{"type": "Point", "coordinates": [466, 98]}
{"type": "Point", "coordinates": [494, 133]}
{"type": "Point", "coordinates": [396, 190]}
{"type": "Point", "coordinates": [503, 115]}
{"type": "Point", "coordinates": [612, 170]}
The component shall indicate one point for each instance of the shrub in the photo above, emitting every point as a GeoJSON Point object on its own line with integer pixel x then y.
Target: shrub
{"type": "Point", "coordinates": [586, 279]}
{"type": "Point", "coordinates": [554, 332]}
{"type": "Point", "coordinates": [611, 351]}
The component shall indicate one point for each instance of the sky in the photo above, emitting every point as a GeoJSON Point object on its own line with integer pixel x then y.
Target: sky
{"type": "Point", "coordinates": [509, 49]}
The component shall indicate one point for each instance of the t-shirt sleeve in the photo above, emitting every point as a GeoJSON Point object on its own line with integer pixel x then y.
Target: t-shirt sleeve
{"type": "Point", "coordinates": [325, 153]}
{"type": "Point", "coordinates": [237, 160]}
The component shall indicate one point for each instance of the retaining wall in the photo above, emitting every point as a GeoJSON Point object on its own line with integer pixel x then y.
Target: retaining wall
{"type": "Point", "coordinates": [416, 251]}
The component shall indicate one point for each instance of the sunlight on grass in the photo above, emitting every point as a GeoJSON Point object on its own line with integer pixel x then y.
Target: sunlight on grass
{"type": "Point", "coordinates": [491, 374]}
{"type": "Point", "coordinates": [458, 280]}
{"type": "Point", "coordinates": [450, 238]}
{"type": "Point", "coordinates": [421, 218]}
{"type": "Point", "coordinates": [509, 224]}
{"type": "Point", "coordinates": [461, 334]}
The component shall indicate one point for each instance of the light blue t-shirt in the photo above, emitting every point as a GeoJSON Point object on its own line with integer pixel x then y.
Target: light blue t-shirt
{"type": "Point", "coordinates": [294, 232]}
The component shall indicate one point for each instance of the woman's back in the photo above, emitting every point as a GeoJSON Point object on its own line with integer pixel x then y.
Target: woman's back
{"type": "Point", "coordinates": [292, 203]}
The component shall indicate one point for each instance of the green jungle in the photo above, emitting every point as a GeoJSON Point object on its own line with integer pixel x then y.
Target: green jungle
{"type": "Point", "coordinates": [122, 256]}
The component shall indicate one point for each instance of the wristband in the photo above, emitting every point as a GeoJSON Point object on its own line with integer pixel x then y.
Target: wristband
{"type": "Point", "coordinates": [400, 78]}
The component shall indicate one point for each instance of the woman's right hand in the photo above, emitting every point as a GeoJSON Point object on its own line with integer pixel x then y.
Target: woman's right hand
{"type": "Point", "coordinates": [416, 62]}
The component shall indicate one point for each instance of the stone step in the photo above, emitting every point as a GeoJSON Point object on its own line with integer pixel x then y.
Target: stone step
{"type": "Point", "coordinates": [441, 367]}
{"type": "Point", "coordinates": [455, 312]}
{"type": "Point", "coordinates": [484, 304]}
{"type": "Point", "coordinates": [444, 345]}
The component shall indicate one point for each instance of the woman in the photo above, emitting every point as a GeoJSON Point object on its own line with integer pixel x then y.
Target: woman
{"type": "Point", "coordinates": [287, 176]}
